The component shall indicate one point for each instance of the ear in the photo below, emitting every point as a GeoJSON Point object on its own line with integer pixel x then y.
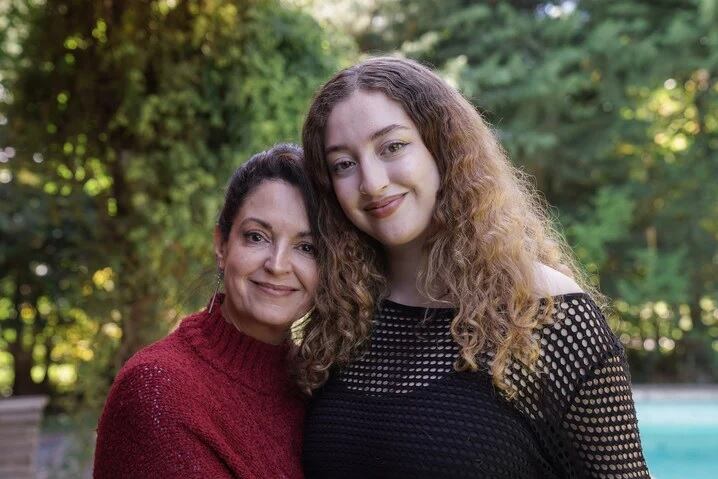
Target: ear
{"type": "Point", "coordinates": [220, 247]}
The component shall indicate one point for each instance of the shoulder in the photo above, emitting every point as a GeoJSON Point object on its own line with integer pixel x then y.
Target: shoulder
{"type": "Point", "coordinates": [146, 426]}
{"type": "Point", "coordinates": [550, 282]}
{"type": "Point", "coordinates": [578, 334]}
{"type": "Point", "coordinates": [150, 400]}
{"type": "Point", "coordinates": [168, 352]}
{"type": "Point", "coordinates": [155, 375]}
{"type": "Point", "coordinates": [172, 355]}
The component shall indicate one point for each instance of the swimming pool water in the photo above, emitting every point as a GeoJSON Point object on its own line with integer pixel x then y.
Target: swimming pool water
{"type": "Point", "coordinates": [679, 437]}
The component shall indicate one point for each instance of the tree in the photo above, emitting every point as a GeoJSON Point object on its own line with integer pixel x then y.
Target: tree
{"type": "Point", "coordinates": [611, 106]}
{"type": "Point", "coordinates": [133, 114]}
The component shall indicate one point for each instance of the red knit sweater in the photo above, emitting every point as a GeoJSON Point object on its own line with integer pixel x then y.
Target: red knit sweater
{"type": "Point", "coordinates": [205, 402]}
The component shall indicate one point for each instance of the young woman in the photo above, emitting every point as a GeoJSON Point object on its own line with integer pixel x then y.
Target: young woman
{"type": "Point", "coordinates": [454, 337]}
{"type": "Point", "coordinates": [214, 398]}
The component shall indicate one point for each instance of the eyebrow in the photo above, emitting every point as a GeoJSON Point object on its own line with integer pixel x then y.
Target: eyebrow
{"type": "Point", "coordinates": [265, 225]}
{"type": "Point", "coordinates": [374, 136]}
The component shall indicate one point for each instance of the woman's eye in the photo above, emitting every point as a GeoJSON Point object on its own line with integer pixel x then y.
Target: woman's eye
{"type": "Point", "coordinates": [307, 248]}
{"type": "Point", "coordinates": [342, 165]}
{"type": "Point", "coordinates": [395, 146]}
{"type": "Point", "coordinates": [254, 237]}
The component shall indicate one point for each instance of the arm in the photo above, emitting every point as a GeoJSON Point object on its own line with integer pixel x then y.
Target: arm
{"type": "Point", "coordinates": [145, 431]}
{"type": "Point", "coordinates": [601, 425]}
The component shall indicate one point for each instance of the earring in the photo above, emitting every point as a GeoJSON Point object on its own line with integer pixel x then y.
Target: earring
{"type": "Point", "coordinates": [306, 315]}
{"type": "Point", "coordinates": [220, 277]}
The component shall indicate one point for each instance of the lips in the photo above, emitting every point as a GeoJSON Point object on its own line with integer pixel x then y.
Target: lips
{"type": "Point", "coordinates": [274, 289]}
{"type": "Point", "coordinates": [385, 206]}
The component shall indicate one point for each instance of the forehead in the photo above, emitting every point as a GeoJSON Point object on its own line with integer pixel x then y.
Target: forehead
{"type": "Point", "coordinates": [277, 203]}
{"type": "Point", "coordinates": [361, 114]}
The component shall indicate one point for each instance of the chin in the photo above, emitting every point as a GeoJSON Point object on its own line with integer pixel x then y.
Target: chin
{"type": "Point", "coordinates": [275, 320]}
{"type": "Point", "coordinates": [393, 239]}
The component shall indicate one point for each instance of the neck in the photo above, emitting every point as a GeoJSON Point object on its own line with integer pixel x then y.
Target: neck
{"type": "Point", "coordinates": [254, 363]}
{"type": "Point", "coordinates": [269, 334]}
{"type": "Point", "coordinates": [405, 264]}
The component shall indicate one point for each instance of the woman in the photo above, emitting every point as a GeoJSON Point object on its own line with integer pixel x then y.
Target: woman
{"type": "Point", "coordinates": [454, 337]}
{"type": "Point", "coordinates": [214, 398]}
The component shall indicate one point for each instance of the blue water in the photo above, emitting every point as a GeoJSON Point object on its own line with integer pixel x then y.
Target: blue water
{"type": "Point", "coordinates": [680, 438]}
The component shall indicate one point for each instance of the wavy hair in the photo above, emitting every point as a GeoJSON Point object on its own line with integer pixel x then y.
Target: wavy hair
{"type": "Point", "coordinates": [489, 231]}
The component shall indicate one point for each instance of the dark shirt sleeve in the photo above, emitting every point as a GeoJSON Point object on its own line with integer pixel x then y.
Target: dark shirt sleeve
{"type": "Point", "coordinates": [145, 431]}
{"type": "Point", "coordinates": [601, 425]}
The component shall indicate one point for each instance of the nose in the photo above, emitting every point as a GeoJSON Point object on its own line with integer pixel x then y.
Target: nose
{"type": "Point", "coordinates": [278, 261]}
{"type": "Point", "coordinates": [374, 178]}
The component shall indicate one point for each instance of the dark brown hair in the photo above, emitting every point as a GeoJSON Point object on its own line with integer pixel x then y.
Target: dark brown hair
{"type": "Point", "coordinates": [283, 162]}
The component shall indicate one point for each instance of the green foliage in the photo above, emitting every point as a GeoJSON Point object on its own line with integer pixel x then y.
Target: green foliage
{"type": "Point", "coordinates": [607, 220]}
{"type": "Point", "coordinates": [126, 118]}
{"type": "Point", "coordinates": [612, 106]}
{"type": "Point", "coordinates": [656, 276]}
{"type": "Point", "coordinates": [120, 122]}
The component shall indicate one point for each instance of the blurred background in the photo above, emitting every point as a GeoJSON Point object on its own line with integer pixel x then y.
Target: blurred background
{"type": "Point", "coordinates": [121, 120]}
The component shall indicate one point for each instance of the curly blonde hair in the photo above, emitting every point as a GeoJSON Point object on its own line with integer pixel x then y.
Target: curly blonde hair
{"type": "Point", "coordinates": [489, 232]}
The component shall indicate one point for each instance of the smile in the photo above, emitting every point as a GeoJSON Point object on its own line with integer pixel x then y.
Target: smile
{"type": "Point", "coordinates": [274, 289]}
{"type": "Point", "coordinates": [384, 207]}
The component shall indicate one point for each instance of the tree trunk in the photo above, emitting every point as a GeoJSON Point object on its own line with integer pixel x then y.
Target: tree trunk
{"type": "Point", "coordinates": [133, 326]}
{"type": "Point", "coordinates": [23, 385]}
{"type": "Point", "coordinates": [137, 295]}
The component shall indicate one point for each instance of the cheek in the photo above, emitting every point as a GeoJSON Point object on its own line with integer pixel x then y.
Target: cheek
{"type": "Point", "coordinates": [435, 178]}
{"type": "Point", "coordinates": [425, 176]}
{"type": "Point", "coordinates": [346, 193]}
{"type": "Point", "coordinates": [309, 276]}
{"type": "Point", "coordinates": [240, 262]}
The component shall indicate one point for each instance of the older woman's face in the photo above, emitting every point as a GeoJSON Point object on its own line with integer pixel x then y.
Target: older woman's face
{"type": "Point", "coordinates": [270, 270]}
{"type": "Point", "coordinates": [384, 177]}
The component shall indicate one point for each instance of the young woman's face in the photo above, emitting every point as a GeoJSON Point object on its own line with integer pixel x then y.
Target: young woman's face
{"type": "Point", "coordinates": [384, 177]}
{"type": "Point", "coordinates": [270, 271]}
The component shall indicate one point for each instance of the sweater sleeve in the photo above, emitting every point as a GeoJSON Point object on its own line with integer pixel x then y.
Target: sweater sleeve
{"type": "Point", "coordinates": [145, 431]}
{"type": "Point", "coordinates": [600, 423]}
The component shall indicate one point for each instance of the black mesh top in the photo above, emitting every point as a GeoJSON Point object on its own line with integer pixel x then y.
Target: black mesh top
{"type": "Point", "coordinates": [401, 411]}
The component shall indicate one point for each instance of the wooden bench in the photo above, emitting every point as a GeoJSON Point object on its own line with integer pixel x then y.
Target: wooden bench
{"type": "Point", "coordinates": [20, 419]}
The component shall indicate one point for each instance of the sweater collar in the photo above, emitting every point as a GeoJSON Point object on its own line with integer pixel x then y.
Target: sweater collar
{"type": "Point", "coordinates": [261, 366]}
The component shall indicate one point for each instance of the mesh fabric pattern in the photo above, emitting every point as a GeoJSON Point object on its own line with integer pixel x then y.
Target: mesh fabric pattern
{"type": "Point", "coordinates": [400, 409]}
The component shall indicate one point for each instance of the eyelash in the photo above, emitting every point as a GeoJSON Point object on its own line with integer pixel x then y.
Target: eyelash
{"type": "Point", "coordinates": [255, 237]}
{"type": "Point", "coordinates": [337, 167]}
{"type": "Point", "coordinates": [400, 144]}
{"type": "Point", "coordinates": [312, 250]}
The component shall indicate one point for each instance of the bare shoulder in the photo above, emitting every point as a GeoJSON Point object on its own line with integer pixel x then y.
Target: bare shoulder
{"type": "Point", "coordinates": [550, 282]}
